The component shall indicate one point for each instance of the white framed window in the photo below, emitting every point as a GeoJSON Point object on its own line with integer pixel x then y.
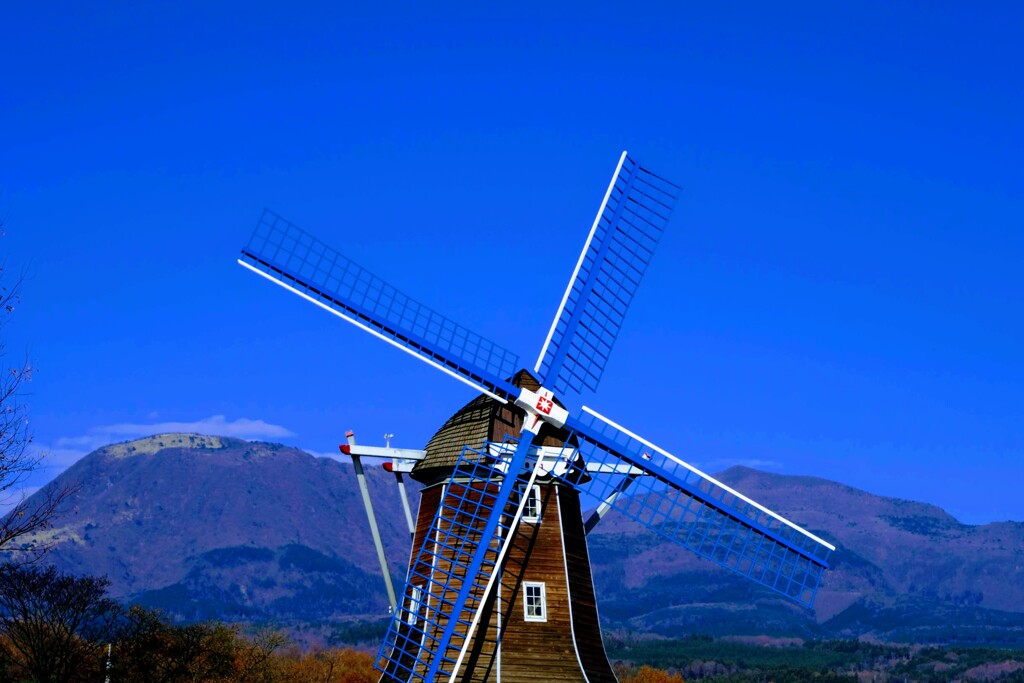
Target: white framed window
{"type": "Point", "coordinates": [535, 605]}
{"type": "Point", "coordinates": [531, 511]}
{"type": "Point", "coordinates": [413, 610]}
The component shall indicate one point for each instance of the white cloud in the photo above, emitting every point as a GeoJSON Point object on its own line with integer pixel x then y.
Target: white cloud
{"type": "Point", "coordinates": [67, 450]}
{"type": "Point", "coordinates": [86, 441]}
{"type": "Point", "coordinates": [216, 425]}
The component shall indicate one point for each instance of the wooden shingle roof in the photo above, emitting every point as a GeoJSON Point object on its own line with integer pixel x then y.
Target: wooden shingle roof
{"type": "Point", "coordinates": [482, 419]}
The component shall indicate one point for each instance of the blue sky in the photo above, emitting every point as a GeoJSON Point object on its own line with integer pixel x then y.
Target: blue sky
{"type": "Point", "coordinates": [838, 293]}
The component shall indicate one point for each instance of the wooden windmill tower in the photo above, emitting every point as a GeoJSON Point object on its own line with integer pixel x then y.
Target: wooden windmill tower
{"type": "Point", "coordinates": [499, 585]}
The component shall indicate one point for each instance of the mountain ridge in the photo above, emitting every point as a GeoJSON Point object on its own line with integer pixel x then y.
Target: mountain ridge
{"type": "Point", "coordinates": [166, 509]}
{"type": "Point", "coordinates": [214, 527]}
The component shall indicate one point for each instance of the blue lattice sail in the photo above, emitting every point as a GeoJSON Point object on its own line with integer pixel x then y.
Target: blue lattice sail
{"type": "Point", "coordinates": [635, 211]}
{"type": "Point", "coordinates": [294, 259]}
{"type": "Point", "coordinates": [696, 511]}
{"type": "Point", "coordinates": [453, 568]}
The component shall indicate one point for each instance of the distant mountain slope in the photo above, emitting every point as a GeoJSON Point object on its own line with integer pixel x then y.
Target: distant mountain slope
{"type": "Point", "coordinates": [241, 527]}
{"type": "Point", "coordinates": [903, 570]}
{"type": "Point", "coordinates": [918, 549]}
{"type": "Point", "coordinates": [208, 527]}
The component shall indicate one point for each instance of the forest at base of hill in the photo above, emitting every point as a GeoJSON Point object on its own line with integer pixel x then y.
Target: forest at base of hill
{"type": "Point", "coordinates": [60, 628]}
{"type": "Point", "coordinates": [159, 652]}
{"type": "Point", "coordinates": [749, 659]}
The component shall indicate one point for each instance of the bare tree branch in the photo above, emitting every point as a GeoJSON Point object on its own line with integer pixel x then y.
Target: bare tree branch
{"type": "Point", "coordinates": [57, 624]}
{"type": "Point", "coordinates": [30, 515]}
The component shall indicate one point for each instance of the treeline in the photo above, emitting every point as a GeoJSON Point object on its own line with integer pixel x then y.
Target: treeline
{"type": "Point", "coordinates": [629, 673]}
{"type": "Point", "coordinates": [57, 628]}
{"type": "Point", "coordinates": [703, 658]}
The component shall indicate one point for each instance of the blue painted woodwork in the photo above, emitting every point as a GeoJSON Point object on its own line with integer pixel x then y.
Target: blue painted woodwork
{"type": "Point", "coordinates": [458, 556]}
{"type": "Point", "coordinates": [295, 258]}
{"type": "Point", "coordinates": [698, 513]}
{"type": "Point", "coordinates": [625, 236]}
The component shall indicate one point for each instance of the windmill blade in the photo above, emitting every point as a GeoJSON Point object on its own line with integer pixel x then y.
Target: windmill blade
{"type": "Point", "coordinates": [621, 242]}
{"type": "Point", "coordinates": [297, 261]}
{"type": "Point", "coordinates": [453, 572]}
{"type": "Point", "coordinates": [698, 512]}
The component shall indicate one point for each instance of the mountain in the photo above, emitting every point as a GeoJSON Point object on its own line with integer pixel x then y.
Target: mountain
{"type": "Point", "coordinates": [209, 527]}
{"type": "Point", "coordinates": [902, 571]}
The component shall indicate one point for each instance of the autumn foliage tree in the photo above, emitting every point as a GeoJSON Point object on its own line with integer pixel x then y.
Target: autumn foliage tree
{"type": "Point", "coordinates": [54, 625]}
{"type": "Point", "coordinates": [150, 650]}
{"type": "Point", "coordinates": [56, 628]}
{"type": "Point", "coordinates": [648, 674]}
{"type": "Point", "coordinates": [328, 666]}
{"type": "Point", "coordinates": [629, 673]}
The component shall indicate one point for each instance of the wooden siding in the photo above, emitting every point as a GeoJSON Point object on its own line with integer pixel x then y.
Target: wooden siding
{"type": "Point", "coordinates": [565, 647]}
{"type": "Point", "coordinates": [585, 624]}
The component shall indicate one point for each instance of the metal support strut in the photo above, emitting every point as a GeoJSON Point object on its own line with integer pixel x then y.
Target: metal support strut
{"type": "Point", "coordinates": [357, 465]}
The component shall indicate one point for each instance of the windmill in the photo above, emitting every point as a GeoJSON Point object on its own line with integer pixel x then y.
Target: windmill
{"type": "Point", "coordinates": [499, 584]}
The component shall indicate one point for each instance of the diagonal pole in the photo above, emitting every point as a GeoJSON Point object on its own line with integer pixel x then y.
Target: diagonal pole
{"type": "Point", "coordinates": [608, 502]}
{"type": "Point", "coordinates": [357, 465]}
{"type": "Point", "coordinates": [405, 499]}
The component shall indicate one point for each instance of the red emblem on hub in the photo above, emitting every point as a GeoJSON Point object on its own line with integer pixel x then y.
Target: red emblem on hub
{"type": "Point", "coordinates": [545, 405]}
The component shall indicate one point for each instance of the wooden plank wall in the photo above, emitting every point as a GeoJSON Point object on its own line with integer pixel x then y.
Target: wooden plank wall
{"type": "Point", "coordinates": [568, 646]}
{"type": "Point", "coordinates": [586, 626]}
{"type": "Point", "coordinates": [538, 651]}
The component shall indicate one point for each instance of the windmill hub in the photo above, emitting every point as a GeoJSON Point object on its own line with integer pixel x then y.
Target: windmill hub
{"type": "Point", "coordinates": [540, 406]}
